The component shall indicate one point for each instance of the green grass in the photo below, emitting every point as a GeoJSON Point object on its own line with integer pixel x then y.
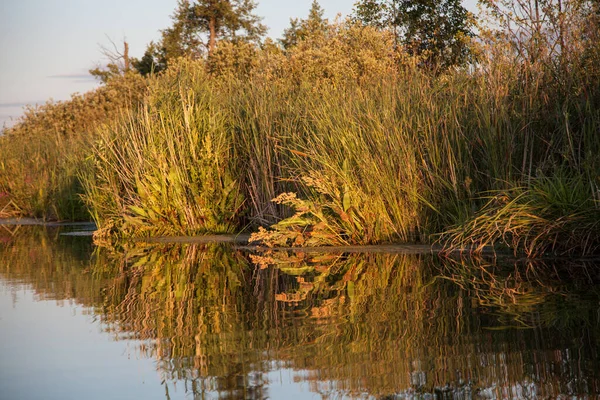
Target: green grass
{"type": "Point", "coordinates": [38, 177]}
{"type": "Point", "coordinates": [559, 214]}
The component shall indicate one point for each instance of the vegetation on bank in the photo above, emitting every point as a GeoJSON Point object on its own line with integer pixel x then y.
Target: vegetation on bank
{"type": "Point", "coordinates": [42, 156]}
{"type": "Point", "coordinates": [344, 133]}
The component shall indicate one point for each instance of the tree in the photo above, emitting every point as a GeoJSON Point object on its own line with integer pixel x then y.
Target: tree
{"type": "Point", "coordinates": [197, 26]}
{"type": "Point", "coordinates": [119, 62]}
{"type": "Point", "coordinates": [301, 29]}
{"type": "Point", "coordinates": [371, 12]}
{"type": "Point", "coordinates": [546, 30]}
{"type": "Point", "coordinates": [437, 31]}
{"type": "Point", "coordinates": [229, 19]}
{"type": "Point", "coordinates": [153, 60]}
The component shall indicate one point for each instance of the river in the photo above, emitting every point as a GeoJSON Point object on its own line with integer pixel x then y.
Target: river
{"type": "Point", "coordinates": [196, 321]}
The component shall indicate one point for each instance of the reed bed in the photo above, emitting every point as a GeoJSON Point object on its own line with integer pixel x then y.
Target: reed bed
{"type": "Point", "coordinates": [405, 157]}
{"type": "Point", "coordinates": [42, 156]}
{"type": "Point", "coordinates": [368, 149]}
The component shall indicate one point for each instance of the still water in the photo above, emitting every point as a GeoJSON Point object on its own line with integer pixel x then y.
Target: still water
{"type": "Point", "coordinates": [209, 321]}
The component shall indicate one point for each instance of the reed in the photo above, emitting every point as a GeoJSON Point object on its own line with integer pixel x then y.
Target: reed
{"type": "Point", "coordinates": [367, 148]}
{"type": "Point", "coordinates": [42, 155]}
{"type": "Point", "coordinates": [166, 169]}
{"type": "Point", "coordinates": [38, 177]}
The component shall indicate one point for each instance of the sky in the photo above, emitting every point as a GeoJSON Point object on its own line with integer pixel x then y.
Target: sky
{"type": "Point", "coordinates": [47, 47]}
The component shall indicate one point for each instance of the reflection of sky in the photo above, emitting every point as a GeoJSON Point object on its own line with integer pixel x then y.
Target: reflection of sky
{"type": "Point", "coordinates": [56, 350]}
{"type": "Point", "coordinates": [47, 46]}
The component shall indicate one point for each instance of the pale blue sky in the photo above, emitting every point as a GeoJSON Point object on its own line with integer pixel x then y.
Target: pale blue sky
{"type": "Point", "coordinates": [47, 46]}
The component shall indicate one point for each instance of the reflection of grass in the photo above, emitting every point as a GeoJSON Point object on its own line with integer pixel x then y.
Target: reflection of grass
{"type": "Point", "coordinates": [57, 267]}
{"type": "Point", "coordinates": [422, 331]}
{"type": "Point", "coordinates": [371, 323]}
{"type": "Point", "coordinates": [181, 298]}
{"type": "Point", "coordinates": [531, 293]}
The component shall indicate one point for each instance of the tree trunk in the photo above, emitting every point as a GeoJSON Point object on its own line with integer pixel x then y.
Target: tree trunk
{"type": "Point", "coordinates": [212, 36]}
{"type": "Point", "coordinates": [126, 56]}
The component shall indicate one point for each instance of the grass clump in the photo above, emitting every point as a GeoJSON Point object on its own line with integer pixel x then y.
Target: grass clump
{"type": "Point", "coordinates": [166, 169]}
{"type": "Point", "coordinates": [558, 214]}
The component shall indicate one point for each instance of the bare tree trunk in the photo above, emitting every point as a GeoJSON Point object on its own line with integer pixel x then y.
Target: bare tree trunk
{"type": "Point", "coordinates": [126, 62]}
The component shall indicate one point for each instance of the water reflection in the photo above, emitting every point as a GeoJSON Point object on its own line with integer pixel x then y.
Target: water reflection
{"type": "Point", "coordinates": [220, 321]}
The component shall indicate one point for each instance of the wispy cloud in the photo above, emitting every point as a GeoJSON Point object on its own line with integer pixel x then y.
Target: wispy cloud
{"type": "Point", "coordinates": [77, 77]}
{"type": "Point", "coordinates": [18, 105]}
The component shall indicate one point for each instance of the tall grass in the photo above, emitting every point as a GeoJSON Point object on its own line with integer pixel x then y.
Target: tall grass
{"type": "Point", "coordinates": [417, 155]}
{"type": "Point", "coordinates": [557, 214]}
{"type": "Point", "coordinates": [167, 168]}
{"type": "Point", "coordinates": [43, 154]}
{"type": "Point", "coordinates": [360, 149]}
{"type": "Point", "coordinates": [38, 176]}
{"type": "Point", "coordinates": [399, 157]}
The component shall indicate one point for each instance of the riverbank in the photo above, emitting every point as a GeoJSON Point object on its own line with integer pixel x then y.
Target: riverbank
{"type": "Point", "coordinates": [241, 242]}
{"type": "Point", "coordinates": [501, 153]}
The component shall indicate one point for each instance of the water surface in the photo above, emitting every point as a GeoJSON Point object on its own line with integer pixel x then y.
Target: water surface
{"type": "Point", "coordinates": [182, 321]}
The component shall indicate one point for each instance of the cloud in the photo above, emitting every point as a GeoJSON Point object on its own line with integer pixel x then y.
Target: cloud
{"type": "Point", "coordinates": [17, 105]}
{"type": "Point", "coordinates": [74, 77]}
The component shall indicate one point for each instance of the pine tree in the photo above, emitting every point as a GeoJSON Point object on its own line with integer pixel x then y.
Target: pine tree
{"type": "Point", "coordinates": [300, 29]}
{"type": "Point", "coordinates": [197, 26]}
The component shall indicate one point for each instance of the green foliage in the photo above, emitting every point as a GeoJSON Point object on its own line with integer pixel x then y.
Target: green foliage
{"type": "Point", "coordinates": [197, 25]}
{"type": "Point", "coordinates": [437, 31]}
{"type": "Point", "coordinates": [335, 215]}
{"type": "Point", "coordinates": [152, 62]}
{"type": "Point", "coordinates": [370, 12]}
{"type": "Point", "coordinates": [38, 178]}
{"type": "Point", "coordinates": [558, 214]}
{"type": "Point", "coordinates": [167, 168]}
{"type": "Point", "coordinates": [301, 29]}
{"type": "Point", "coordinates": [41, 156]}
